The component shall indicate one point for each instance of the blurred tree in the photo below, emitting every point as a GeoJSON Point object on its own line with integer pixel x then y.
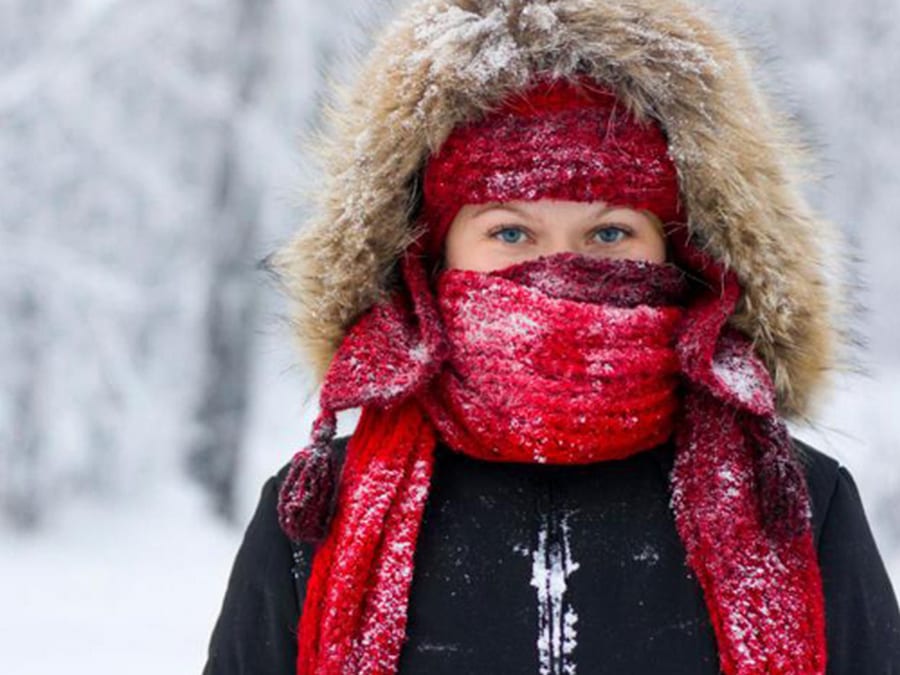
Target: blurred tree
{"type": "Point", "coordinates": [20, 456]}
{"type": "Point", "coordinates": [214, 455]}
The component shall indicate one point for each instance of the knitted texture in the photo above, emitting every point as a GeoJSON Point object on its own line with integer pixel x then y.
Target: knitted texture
{"type": "Point", "coordinates": [354, 615]}
{"type": "Point", "coordinates": [597, 383]}
{"type": "Point", "coordinates": [307, 508]}
{"type": "Point", "coordinates": [739, 499]}
{"type": "Point", "coordinates": [556, 140]}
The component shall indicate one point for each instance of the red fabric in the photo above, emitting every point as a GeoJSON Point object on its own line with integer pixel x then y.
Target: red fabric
{"type": "Point", "coordinates": [739, 498]}
{"type": "Point", "coordinates": [547, 365]}
{"type": "Point", "coordinates": [557, 140]}
{"type": "Point", "coordinates": [354, 615]}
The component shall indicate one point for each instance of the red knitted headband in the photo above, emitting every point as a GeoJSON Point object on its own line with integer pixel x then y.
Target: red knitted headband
{"type": "Point", "coordinates": [556, 140]}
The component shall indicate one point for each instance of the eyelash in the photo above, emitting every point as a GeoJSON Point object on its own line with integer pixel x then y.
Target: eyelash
{"type": "Point", "coordinates": [626, 231]}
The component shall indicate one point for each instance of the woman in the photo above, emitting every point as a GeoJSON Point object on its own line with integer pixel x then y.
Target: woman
{"type": "Point", "coordinates": [564, 268]}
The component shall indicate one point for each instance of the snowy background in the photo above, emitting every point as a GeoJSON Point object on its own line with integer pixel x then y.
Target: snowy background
{"type": "Point", "coordinates": [148, 161]}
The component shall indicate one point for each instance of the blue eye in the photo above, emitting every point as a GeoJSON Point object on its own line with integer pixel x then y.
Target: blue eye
{"type": "Point", "coordinates": [505, 231]}
{"type": "Point", "coordinates": [610, 234]}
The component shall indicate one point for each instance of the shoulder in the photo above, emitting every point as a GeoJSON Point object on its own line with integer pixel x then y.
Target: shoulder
{"type": "Point", "coordinates": [823, 475]}
{"type": "Point", "coordinates": [862, 615]}
{"type": "Point", "coordinates": [842, 534]}
{"type": "Point", "coordinates": [825, 478]}
{"type": "Point", "coordinates": [835, 500]}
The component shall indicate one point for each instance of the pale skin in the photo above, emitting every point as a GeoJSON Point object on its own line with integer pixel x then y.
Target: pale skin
{"type": "Point", "coordinates": [488, 237]}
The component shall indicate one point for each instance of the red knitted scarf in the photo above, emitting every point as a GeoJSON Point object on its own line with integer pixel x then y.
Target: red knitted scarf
{"type": "Point", "coordinates": [566, 360]}
{"type": "Point", "coordinates": [563, 359]}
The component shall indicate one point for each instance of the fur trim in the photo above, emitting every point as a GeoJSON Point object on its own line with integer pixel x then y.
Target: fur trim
{"type": "Point", "coordinates": [442, 62]}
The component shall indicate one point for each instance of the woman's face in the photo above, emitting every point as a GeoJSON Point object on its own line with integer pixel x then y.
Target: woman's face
{"type": "Point", "coordinates": [487, 237]}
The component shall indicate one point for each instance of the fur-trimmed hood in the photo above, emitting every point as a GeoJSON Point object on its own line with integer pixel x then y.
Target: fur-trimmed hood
{"type": "Point", "coordinates": [443, 62]}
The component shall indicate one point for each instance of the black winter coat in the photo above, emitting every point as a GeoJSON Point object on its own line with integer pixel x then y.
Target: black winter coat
{"type": "Point", "coordinates": [477, 604]}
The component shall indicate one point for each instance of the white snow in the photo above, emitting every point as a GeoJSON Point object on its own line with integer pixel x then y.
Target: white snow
{"type": "Point", "coordinates": [738, 375]}
{"type": "Point", "coordinates": [441, 34]}
{"type": "Point", "coordinates": [552, 564]}
{"type": "Point", "coordinates": [115, 588]}
{"type": "Point", "coordinates": [648, 554]}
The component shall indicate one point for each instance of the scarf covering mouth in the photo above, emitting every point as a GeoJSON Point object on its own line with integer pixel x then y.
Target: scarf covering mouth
{"type": "Point", "coordinates": [565, 360]}
{"type": "Point", "coordinates": [429, 365]}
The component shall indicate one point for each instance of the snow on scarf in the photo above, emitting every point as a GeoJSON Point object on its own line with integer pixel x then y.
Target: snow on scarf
{"type": "Point", "coordinates": [589, 334]}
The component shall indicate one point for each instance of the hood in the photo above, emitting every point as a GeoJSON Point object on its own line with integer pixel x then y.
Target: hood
{"type": "Point", "coordinates": [443, 62]}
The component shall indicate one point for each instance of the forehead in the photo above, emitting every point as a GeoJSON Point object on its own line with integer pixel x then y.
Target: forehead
{"type": "Point", "coordinates": [541, 206]}
{"type": "Point", "coordinates": [551, 209]}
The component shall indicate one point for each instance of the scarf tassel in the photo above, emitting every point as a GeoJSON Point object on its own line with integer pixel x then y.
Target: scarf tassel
{"type": "Point", "coordinates": [307, 497]}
